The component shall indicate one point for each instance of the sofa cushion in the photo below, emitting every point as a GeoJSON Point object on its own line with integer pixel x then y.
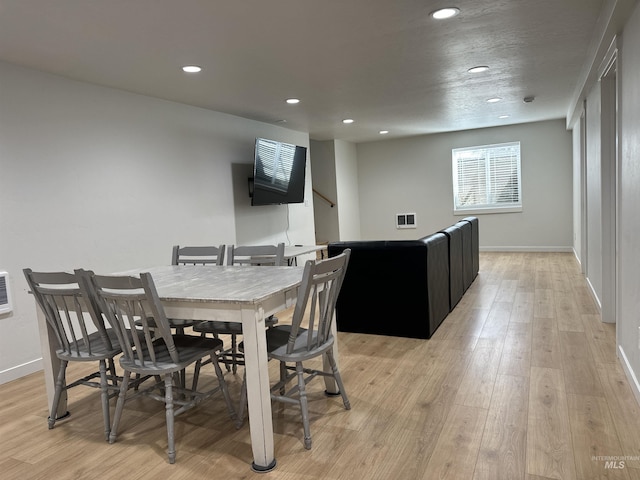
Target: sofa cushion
{"type": "Point", "coordinates": [456, 280]}
{"type": "Point", "coordinates": [475, 243]}
{"type": "Point", "coordinates": [467, 253]}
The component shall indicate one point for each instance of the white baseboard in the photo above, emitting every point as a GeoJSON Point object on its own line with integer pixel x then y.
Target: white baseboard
{"type": "Point", "coordinates": [575, 254]}
{"type": "Point", "coordinates": [594, 294]}
{"type": "Point", "coordinates": [631, 376]}
{"type": "Point", "coordinates": [527, 249]}
{"type": "Point", "coordinates": [19, 371]}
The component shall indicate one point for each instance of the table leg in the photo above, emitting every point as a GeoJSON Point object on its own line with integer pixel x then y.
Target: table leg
{"type": "Point", "coordinates": [258, 390]}
{"type": "Point", "coordinates": [50, 363]}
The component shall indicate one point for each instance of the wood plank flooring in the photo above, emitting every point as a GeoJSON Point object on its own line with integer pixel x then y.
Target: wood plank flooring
{"type": "Point", "coordinates": [521, 381]}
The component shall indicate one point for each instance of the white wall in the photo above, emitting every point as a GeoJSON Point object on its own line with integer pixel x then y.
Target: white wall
{"type": "Point", "coordinates": [347, 178]}
{"type": "Point", "coordinates": [323, 166]}
{"type": "Point", "coordinates": [629, 254]}
{"type": "Point", "coordinates": [98, 178]}
{"type": "Point", "coordinates": [414, 175]}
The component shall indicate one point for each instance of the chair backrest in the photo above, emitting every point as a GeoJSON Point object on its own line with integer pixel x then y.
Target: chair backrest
{"type": "Point", "coordinates": [70, 314]}
{"type": "Point", "coordinates": [271, 255]}
{"type": "Point", "coordinates": [133, 307]}
{"type": "Point", "coordinates": [206, 255]}
{"type": "Point", "coordinates": [317, 296]}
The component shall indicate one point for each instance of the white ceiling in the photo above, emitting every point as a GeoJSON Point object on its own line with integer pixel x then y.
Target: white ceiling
{"type": "Point", "coordinates": [386, 64]}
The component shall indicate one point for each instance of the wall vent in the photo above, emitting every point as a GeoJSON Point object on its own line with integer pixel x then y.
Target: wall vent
{"type": "Point", "coordinates": [406, 220]}
{"type": "Point", "coordinates": [5, 293]}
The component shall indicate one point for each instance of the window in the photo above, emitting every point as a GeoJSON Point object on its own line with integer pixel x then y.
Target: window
{"type": "Point", "coordinates": [486, 179]}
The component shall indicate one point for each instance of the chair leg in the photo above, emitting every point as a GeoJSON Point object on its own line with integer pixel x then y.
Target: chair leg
{"type": "Point", "coordinates": [234, 353]}
{"type": "Point", "coordinates": [196, 375]}
{"type": "Point", "coordinates": [225, 391]}
{"type": "Point", "coordinates": [60, 385]}
{"type": "Point", "coordinates": [168, 400]}
{"type": "Point", "coordinates": [243, 398]}
{"type": "Point", "coordinates": [114, 374]}
{"type": "Point", "coordinates": [304, 405]}
{"type": "Point", "coordinates": [119, 405]}
{"type": "Point", "coordinates": [283, 378]}
{"type": "Point", "coordinates": [104, 387]}
{"type": "Point", "coordinates": [338, 378]}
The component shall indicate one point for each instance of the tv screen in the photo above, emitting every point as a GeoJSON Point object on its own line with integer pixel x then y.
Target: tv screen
{"type": "Point", "coordinates": [278, 173]}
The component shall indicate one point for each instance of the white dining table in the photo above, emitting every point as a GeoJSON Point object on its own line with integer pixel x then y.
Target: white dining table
{"type": "Point", "coordinates": [241, 294]}
{"type": "Point", "coordinates": [291, 252]}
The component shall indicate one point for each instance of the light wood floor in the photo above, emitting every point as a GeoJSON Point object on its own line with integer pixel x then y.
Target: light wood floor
{"type": "Point", "coordinates": [521, 381]}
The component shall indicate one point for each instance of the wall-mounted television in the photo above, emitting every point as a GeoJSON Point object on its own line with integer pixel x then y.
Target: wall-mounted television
{"type": "Point", "coordinates": [278, 173]}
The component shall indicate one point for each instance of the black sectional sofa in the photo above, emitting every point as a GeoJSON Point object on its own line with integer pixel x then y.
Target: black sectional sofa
{"type": "Point", "coordinates": [406, 288]}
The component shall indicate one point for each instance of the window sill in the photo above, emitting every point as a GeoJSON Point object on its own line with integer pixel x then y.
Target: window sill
{"type": "Point", "coordinates": [488, 210]}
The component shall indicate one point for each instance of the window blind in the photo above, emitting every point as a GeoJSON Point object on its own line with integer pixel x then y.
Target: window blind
{"type": "Point", "coordinates": [487, 177]}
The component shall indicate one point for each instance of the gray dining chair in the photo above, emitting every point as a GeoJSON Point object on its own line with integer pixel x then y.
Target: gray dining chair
{"type": "Point", "coordinates": [194, 255]}
{"type": "Point", "coordinates": [149, 347]}
{"type": "Point", "coordinates": [295, 344]}
{"type": "Point", "coordinates": [197, 255]}
{"type": "Point", "coordinates": [81, 336]}
{"type": "Point", "coordinates": [248, 255]}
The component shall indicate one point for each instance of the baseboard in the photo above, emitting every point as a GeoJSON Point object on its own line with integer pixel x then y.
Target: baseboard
{"type": "Point", "coordinates": [575, 254]}
{"type": "Point", "coordinates": [631, 376]}
{"type": "Point", "coordinates": [594, 295]}
{"type": "Point", "coordinates": [527, 249]}
{"type": "Point", "coordinates": [19, 371]}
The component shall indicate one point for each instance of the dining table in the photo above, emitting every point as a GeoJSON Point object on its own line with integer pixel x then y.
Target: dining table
{"type": "Point", "coordinates": [242, 294]}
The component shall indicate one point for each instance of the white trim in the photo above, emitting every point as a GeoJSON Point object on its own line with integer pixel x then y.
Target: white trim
{"type": "Point", "coordinates": [575, 254]}
{"type": "Point", "coordinates": [631, 376]}
{"type": "Point", "coordinates": [528, 249]}
{"type": "Point", "coordinates": [609, 180]}
{"type": "Point", "coordinates": [20, 371]}
{"type": "Point", "coordinates": [594, 294]}
{"type": "Point", "coordinates": [463, 212]}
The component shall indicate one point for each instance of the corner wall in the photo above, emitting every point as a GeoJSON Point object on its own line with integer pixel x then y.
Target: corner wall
{"type": "Point", "coordinates": [98, 178]}
{"type": "Point", "coordinates": [413, 175]}
{"type": "Point", "coordinates": [628, 324]}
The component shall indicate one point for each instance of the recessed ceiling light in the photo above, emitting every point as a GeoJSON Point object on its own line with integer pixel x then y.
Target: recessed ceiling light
{"type": "Point", "coordinates": [493, 100]}
{"type": "Point", "coordinates": [503, 116]}
{"type": "Point", "coordinates": [445, 13]}
{"type": "Point", "coordinates": [293, 101]}
{"type": "Point", "coordinates": [478, 69]}
{"type": "Point", "coordinates": [347, 120]}
{"type": "Point", "coordinates": [384, 132]}
{"type": "Point", "coordinates": [191, 69]}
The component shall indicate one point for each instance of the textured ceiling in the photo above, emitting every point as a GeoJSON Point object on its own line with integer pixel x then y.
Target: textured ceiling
{"type": "Point", "coordinates": [386, 64]}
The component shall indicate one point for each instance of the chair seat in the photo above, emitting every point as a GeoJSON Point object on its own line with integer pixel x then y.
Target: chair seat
{"type": "Point", "coordinates": [227, 328]}
{"type": "Point", "coordinates": [278, 338]}
{"type": "Point", "coordinates": [173, 323]}
{"type": "Point", "coordinates": [218, 327]}
{"type": "Point", "coordinates": [191, 349]}
{"type": "Point", "coordinates": [79, 353]}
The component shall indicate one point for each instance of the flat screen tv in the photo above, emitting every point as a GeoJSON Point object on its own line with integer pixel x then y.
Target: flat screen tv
{"type": "Point", "coordinates": [278, 173]}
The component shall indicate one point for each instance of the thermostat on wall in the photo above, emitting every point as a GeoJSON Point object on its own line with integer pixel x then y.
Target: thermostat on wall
{"type": "Point", "coordinates": [406, 220]}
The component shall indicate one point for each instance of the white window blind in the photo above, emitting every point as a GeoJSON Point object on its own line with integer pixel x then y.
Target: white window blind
{"type": "Point", "coordinates": [486, 179]}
